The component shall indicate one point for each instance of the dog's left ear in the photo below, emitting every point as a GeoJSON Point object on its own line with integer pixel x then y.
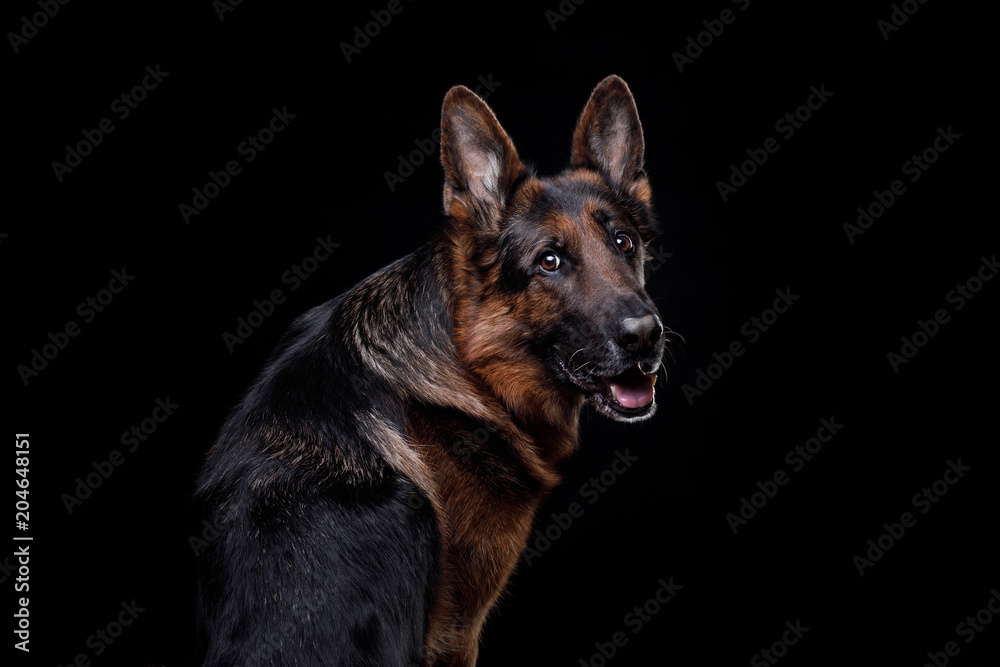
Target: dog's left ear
{"type": "Point", "coordinates": [608, 136]}
{"type": "Point", "coordinates": [479, 159]}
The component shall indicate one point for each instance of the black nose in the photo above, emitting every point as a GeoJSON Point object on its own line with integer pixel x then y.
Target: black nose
{"type": "Point", "coordinates": [638, 333]}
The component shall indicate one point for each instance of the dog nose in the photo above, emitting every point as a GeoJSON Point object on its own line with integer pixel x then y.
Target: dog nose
{"type": "Point", "coordinates": [638, 333]}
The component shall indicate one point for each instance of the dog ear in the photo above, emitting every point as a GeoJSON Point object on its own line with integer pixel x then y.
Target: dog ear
{"type": "Point", "coordinates": [479, 159]}
{"type": "Point", "coordinates": [608, 136]}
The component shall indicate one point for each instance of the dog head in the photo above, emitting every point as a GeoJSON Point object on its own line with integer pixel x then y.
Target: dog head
{"type": "Point", "coordinates": [553, 308]}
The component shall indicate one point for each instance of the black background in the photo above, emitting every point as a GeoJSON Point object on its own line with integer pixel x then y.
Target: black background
{"type": "Point", "coordinates": [324, 176]}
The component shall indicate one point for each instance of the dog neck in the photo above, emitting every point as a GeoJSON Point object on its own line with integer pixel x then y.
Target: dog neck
{"type": "Point", "coordinates": [432, 339]}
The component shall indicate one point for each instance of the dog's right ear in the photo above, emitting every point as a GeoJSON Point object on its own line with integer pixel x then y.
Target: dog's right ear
{"type": "Point", "coordinates": [479, 159]}
{"type": "Point", "coordinates": [608, 136]}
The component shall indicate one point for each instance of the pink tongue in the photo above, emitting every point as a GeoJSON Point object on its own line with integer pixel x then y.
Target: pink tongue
{"type": "Point", "coordinates": [637, 393]}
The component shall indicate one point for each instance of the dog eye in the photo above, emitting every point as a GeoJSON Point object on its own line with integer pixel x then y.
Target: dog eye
{"type": "Point", "coordinates": [549, 261]}
{"type": "Point", "coordinates": [624, 242]}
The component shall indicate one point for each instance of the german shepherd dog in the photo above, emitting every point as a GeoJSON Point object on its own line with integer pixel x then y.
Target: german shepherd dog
{"type": "Point", "coordinates": [352, 525]}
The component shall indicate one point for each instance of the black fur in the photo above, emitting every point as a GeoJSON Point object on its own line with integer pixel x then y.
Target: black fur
{"type": "Point", "coordinates": [324, 555]}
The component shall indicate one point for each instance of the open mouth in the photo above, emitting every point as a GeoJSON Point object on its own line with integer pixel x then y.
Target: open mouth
{"type": "Point", "coordinates": [628, 394]}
